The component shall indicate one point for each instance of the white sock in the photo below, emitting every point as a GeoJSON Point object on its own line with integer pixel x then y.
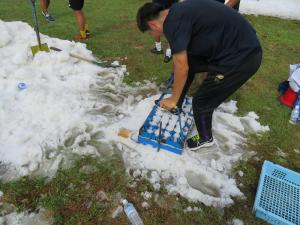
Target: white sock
{"type": "Point", "coordinates": [168, 52]}
{"type": "Point", "coordinates": [158, 46]}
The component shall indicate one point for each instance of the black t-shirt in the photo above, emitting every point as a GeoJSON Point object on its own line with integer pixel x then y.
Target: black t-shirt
{"type": "Point", "coordinates": [208, 29]}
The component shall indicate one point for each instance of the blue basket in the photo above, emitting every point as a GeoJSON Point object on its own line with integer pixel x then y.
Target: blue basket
{"type": "Point", "coordinates": [277, 199]}
{"type": "Point", "coordinates": [174, 142]}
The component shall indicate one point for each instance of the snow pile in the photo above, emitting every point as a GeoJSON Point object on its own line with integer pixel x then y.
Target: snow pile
{"type": "Point", "coordinates": [288, 9]}
{"type": "Point", "coordinates": [40, 218]}
{"type": "Point", "coordinates": [63, 101]}
{"type": "Point", "coordinates": [71, 108]}
{"type": "Point", "coordinates": [199, 176]}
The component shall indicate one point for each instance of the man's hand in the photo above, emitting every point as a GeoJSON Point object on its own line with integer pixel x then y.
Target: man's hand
{"type": "Point", "coordinates": [168, 103]}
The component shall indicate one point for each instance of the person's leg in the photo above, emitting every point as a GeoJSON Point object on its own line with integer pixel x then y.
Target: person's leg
{"type": "Point", "coordinates": [157, 48]}
{"type": "Point", "coordinates": [214, 90]}
{"type": "Point", "coordinates": [168, 55]}
{"type": "Point", "coordinates": [44, 6]}
{"type": "Point", "coordinates": [80, 18]}
{"type": "Point", "coordinates": [81, 21]}
{"type": "Point", "coordinates": [77, 6]}
{"type": "Point", "coordinates": [204, 138]}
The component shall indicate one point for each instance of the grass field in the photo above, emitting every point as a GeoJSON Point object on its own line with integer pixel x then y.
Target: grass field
{"type": "Point", "coordinates": [69, 196]}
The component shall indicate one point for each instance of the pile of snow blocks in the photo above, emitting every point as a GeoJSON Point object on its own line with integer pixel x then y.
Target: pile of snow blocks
{"type": "Point", "coordinates": [174, 128]}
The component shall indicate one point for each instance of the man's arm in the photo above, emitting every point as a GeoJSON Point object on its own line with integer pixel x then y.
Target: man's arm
{"type": "Point", "coordinates": [181, 68]}
{"type": "Point", "coordinates": [232, 3]}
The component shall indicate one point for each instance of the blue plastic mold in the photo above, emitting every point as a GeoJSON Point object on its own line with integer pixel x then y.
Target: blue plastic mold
{"type": "Point", "coordinates": [175, 128]}
{"type": "Point", "coordinates": [277, 199]}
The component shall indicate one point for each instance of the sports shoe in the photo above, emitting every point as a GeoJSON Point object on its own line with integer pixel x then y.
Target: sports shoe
{"type": "Point", "coordinates": [48, 17]}
{"type": "Point", "coordinates": [194, 143]}
{"type": "Point", "coordinates": [88, 33]}
{"type": "Point", "coordinates": [167, 58]}
{"type": "Point", "coordinates": [155, 51]}
{"type": "Point", "coordinates": [79, 37]}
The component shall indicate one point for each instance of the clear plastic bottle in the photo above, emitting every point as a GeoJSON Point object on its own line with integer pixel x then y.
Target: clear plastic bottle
{"type": "Point", "coordinates": [294, 115]}
{"type": "Point", "coordinates": [131, 213]}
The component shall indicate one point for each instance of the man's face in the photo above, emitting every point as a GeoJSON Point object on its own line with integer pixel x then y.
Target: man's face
{"type": "Point", "coordinates": [156, 28]}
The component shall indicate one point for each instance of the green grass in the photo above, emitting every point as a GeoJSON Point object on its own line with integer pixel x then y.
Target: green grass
{"type": "Point", "coordinates": [115, 36]}
{"type": "Point", "coordinates": [71, 197]}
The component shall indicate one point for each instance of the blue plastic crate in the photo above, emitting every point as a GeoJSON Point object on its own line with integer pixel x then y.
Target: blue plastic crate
{"type": "Point", "coordinates": [173, 132]}
{"type": "Point", "coordinates": [277, 199]}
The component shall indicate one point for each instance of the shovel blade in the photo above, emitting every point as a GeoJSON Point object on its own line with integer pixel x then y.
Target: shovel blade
{"type": "Point", "coordinates": [37, 48]}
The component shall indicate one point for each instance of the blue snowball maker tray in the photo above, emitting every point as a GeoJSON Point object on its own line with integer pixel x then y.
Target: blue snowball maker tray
{"type": "Point", "coordinates": [165, 130]}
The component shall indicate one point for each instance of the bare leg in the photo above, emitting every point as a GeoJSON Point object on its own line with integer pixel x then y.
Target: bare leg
{"type": "Point", "coordinates": [168, 55]}
{"type": "Point", "coordinates": [157, 49]}
{"type": "Point", "coordinates": [157, 39]}
{"type": "Point", "coordinates": [80, 18]}
{"type": "Point", "coordinates": [44, 5]}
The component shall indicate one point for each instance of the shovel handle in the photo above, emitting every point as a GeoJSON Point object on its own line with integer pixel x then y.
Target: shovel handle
{"type": "Point", "coordinates": [85, 59]}
{"type": "Point", "coordinates": [73, 55]}
{"type": "Point", "coordinates": [36, 25]}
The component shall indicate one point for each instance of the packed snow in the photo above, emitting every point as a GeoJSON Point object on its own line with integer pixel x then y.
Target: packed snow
{"type": "Point", "coordinates": [70, 108]}
{"type": "Point", "coordinates": [288, 9]}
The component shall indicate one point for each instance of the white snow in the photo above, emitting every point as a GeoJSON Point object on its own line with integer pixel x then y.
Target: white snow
{"type": "Point", "coordinates": [24, 218]}
{"type": "Point", "coordinates": [67, 103]}
{"type": "Point", "coordinates": [145, 205]}
{"type": "Point", "coordinates": [117, 211]}
{"type": "Point", "coordinates": [199, 176]}
{"type": "Point", "coordinates": [237, 222]}
{"type": "Point", "coordinates": [288, 9]}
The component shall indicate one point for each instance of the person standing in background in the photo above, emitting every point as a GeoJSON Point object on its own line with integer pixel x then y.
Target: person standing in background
{"type": "Point", "coordinates": [44, 6]}
{"type": "Point", "coordinates": [77, 6]}
{"type": "Point", "coordinates": [165, 4]}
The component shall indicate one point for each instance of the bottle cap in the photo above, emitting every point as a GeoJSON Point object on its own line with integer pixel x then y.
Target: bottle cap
{"type": "Point", "coordinates": [124, 202]}
{"type": "Point", "coordinates": [21, 86]}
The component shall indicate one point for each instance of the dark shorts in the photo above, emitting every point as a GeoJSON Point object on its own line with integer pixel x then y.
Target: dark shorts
{"type": "Point", "coordinates": [76, 4]}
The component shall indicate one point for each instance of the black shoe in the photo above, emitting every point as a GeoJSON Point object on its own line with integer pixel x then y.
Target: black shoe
{"type": "Point", "coordinates": [155, 51]}
{"type": "Point", "coordinates": [87, 32]}
{"type": "Point", "coordinates": [167, 58]}
{"type": "Point", "coordinates": [48, 17]}
{"type": "Point", "coordinates": [194, 143]}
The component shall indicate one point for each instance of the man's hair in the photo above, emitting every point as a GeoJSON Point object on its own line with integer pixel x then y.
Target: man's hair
{"type": "Point", "coordinates": [149, 11]}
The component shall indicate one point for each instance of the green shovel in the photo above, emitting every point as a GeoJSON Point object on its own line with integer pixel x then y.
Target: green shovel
{"type": "Point", "coordinates": [39, 47]}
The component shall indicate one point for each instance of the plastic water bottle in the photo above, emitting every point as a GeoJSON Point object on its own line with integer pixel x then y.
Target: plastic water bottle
{"type": "Point", "coordinates": [131, 213]}
{"type": "Point", "coordinates": [294, 115]}
{"type": "Point", "coordinates": [21, 86]}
